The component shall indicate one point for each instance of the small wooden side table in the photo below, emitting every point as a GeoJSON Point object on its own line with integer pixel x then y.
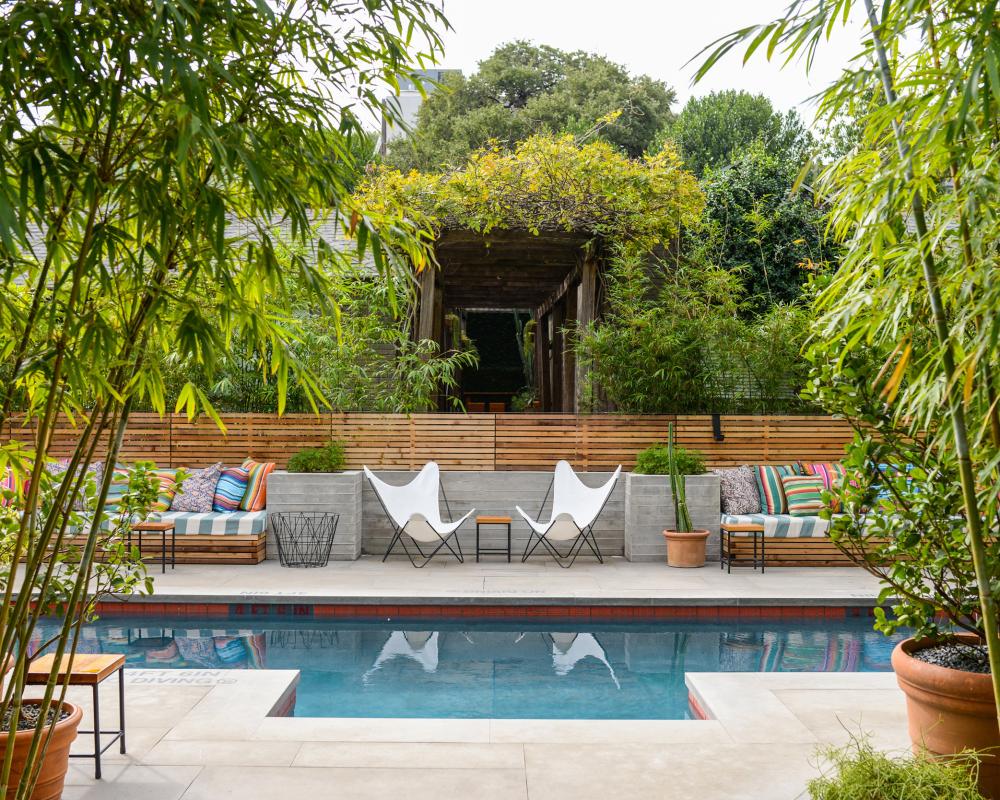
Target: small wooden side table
{"type": "Point", "coordinates": [161, 528]}
{"type": "Point", "coordinates": [492, 551]}
{"type": "Point", "coordinates": [88, 670]}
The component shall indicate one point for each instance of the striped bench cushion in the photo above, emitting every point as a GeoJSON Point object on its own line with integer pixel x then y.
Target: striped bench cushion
{"type": "Point", "coordinates": [220, 523]}
{"type": "Point", "coordinates": [782, 526]}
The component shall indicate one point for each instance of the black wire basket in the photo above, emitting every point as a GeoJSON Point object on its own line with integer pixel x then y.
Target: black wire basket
{"type": "Point", "coordinates": [305, 538]}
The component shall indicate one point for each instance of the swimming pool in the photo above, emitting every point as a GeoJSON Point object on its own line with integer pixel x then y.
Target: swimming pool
{"type": "Point", "coordinates": [484, 668]}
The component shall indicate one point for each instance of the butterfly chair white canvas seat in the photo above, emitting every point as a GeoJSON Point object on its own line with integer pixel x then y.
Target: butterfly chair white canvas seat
{"type": "Point", "coordinates": [575, 508]}
{"type": "Point", "coordinates": [414, 510]}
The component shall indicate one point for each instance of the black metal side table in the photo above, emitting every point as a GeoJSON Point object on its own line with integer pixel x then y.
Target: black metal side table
{"type": "Point", "coordinates": [492, 551]}
{"type": "Point", "coordinates": [304, 538]}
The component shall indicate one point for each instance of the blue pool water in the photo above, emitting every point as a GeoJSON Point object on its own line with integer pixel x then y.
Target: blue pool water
{"type": "Point", "coordinates": [550, 670]}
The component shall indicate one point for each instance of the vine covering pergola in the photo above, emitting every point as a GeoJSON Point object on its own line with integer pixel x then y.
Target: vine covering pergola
{"type": "Point", "coordinates": [538, 227]}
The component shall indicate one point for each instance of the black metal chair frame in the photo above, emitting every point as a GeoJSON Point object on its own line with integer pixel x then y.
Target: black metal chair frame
{"type": "Point", "coordinates": [397, 535]}
{"type": "Point", "coordinates": [586, 536]}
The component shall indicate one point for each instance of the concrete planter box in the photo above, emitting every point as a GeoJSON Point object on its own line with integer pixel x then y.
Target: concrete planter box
{"type": "Point", "coordinates": [496, 493]}
{"type": "Point", "coordinates": [334, 492]}
{"type": "Point", "coordinates": [649, 509]}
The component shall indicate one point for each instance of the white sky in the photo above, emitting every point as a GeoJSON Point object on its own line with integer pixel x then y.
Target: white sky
{"type": "Point", "coordinates": [648, 37]}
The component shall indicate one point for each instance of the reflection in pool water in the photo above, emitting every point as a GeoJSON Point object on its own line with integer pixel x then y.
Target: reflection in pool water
{"type": "Point", "coordinates": [551, 670]}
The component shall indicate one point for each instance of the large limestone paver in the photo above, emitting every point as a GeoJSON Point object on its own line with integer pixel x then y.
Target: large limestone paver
{"type": "Point", "coordinates": [128, 782]}
{"type": "Point", "coordinates": [326, 783]}
{"type": "Point", "coordinates": [370, 580]}
{"type": "Point", "coordinates": [682, 771]}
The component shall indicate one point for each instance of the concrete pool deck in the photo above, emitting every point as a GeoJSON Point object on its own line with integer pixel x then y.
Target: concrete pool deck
{"type": "Point", "coordinates": [616, 582]}
{"type": "Point", "coordinates": [205, 735]}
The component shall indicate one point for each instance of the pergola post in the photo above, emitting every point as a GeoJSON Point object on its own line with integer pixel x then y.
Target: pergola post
{"type": "Point", "coordinates": [428, 310]}
{"type": "Point", "coordinates": [558, 345]}
{"type": "Point", "coordinates": [569, 355]}
{"type": "Point", "coordinates": [544, 362]}
{"type": "Point", "coordinates": [586, 314]}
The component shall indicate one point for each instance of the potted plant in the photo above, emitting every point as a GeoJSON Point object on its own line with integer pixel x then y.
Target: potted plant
{"type": "Point", "coordinates": [903, 522]}
{"type": "Point", "coordinates": [67, 581]}
{"type": "Point", "coordinates": [685, 545]}
{"type": "Point", "coordinates": [329, 458]}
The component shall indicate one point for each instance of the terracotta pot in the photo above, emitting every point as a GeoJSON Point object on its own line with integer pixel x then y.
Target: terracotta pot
{"type": "Point", "coordinates": [950, 710]}
{"type": "Point", "coordinates": [686, 549]}
{"type": "Point", "coordinates": [49, 785]}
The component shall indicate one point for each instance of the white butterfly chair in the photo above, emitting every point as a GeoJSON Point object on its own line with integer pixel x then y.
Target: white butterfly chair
{"type": "Point", "coordinates": [414, 510]}
{"type": "Point", "coordinates": [575, 509]}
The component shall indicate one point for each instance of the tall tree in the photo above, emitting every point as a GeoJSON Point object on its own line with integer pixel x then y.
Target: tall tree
{"type": "Point", "coordinates": [130, 132]}
{"type": "Point", "coordinates": [714, 129]}
{"type": "Point", "coordinates": [759, 225]}
{"type": "Point", "coordinates": [523, 89]}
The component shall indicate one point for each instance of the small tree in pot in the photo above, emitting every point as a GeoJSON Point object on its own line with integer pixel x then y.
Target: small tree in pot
{"type": "Point", "coordinates": [685, 547]}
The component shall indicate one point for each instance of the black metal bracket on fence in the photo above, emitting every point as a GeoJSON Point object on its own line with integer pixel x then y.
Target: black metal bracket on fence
{"type": "Point", "coordinates": [717, 433]}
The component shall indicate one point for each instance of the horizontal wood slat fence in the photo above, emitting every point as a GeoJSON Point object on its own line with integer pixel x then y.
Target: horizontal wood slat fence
{"type": "Point", "coordinates": [465, 441]}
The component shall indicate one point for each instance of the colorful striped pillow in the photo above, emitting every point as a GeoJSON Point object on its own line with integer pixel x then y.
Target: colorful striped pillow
{"type": "Point", "coordinates": [168, 488]}
{"type": "Point", "coordinates": [833, 476]}
{"type": "Point", "coordinates": [803, 494]}
{"type": "Point", "coordinates": [230, 489]}
{"type": "Point", "coordinates": [10, 487]}
{"type": "Point", "coordinates": [255, 498]}
{"type": "Point", "coordinates": [772, 496]}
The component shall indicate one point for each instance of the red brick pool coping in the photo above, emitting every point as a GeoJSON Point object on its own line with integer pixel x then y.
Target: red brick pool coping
{"type": "Point", "coordinates": [480, 611]}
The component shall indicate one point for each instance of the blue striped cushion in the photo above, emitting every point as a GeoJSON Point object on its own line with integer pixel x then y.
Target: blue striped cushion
{"type": "Point", "coordinates": [782, 526]}
{"type": "Point", "coordinates": [218, 524]}
{"type": "Point", "coordinates": [230, 489]}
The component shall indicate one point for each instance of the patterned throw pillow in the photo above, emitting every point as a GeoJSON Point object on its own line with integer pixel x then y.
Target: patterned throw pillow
{"type": "Point", "coordinates": [803, 494]}
{"type": "Point", "coordinates": [772, 496]}
{"type": "Point", "coordinates": [255, 498]}
{"type": "Point", "coordinates": [57, 469]}
{"type": "Point", "coordinates": [230, 489]}
{"type": "Point", "coordinates": [198, 491]}
{"type": "Point", "coordinates": [739, 491]}
{"type": "Point", "coordinates": [833, 476]}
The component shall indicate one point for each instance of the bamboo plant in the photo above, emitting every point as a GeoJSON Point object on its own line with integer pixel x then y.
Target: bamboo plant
{"type": "Point", "coordinates": [146, 153]}
{"type": "Point", "coordinates": [913, 200]}
{"type": "Point", "coordinates": [678, 488]}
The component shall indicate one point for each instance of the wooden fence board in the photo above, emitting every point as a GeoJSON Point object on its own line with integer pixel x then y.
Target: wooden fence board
{"type": "Point", "coordinates": [465, 441]}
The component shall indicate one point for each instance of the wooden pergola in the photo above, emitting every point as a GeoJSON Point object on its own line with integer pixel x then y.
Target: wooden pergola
{"type": "Point", "coordinates": [555, 275]}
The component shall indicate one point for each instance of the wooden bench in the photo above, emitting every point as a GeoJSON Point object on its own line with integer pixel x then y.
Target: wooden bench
{"type": "Point", "coordinates": [806, 547]}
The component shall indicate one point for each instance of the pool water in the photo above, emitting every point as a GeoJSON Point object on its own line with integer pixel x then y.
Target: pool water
{"type": "Point", "coordinates": [492, 669]}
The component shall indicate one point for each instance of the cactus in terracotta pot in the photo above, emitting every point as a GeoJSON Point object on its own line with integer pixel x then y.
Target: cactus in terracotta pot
{"type": "Point", "coordinates": [678, 488]}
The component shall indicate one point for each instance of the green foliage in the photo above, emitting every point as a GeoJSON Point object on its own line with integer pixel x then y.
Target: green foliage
{"type": "Point", "coordinates": [655, 460]}
{"type": "Point", "coordinates": [675, 338]}
{"type": "Point", "coordinates": [678, 486]}
{"type": "Point", "coordinates": [133, 141]}
{"type": "Point", "coordinates": [859, 772]}
{"type": "Point", "coordinates": [913, 314]}
{"type": "Point", "coordinates": [523, 89]}
{"type": "Point", "coordinates": [902, 509]}
{"type": "Point", "coordinates": [547, 183]}
{"type": "Point", "coordinates": [758, 224]}
{"type": "Point", "coordinates": [329, 458]}
{"type": "Point", "coordinates": [714, 130]}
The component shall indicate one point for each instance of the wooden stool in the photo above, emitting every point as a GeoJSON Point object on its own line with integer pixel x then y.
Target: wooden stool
{"type": "Point", "coordinates": [88, 670]}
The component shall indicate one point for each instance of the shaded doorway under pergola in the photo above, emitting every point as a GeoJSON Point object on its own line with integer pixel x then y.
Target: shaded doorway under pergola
{"type": "Point", "coordinates": [553, 276]}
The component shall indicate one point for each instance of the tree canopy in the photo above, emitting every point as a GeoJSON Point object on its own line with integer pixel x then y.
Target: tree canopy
{"type": "Point", "coordinates": [715, 129]}
{"type": "Point", "coordinates": [758, 226]}
{"type": "Point", "coordinates": [523, 89]}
